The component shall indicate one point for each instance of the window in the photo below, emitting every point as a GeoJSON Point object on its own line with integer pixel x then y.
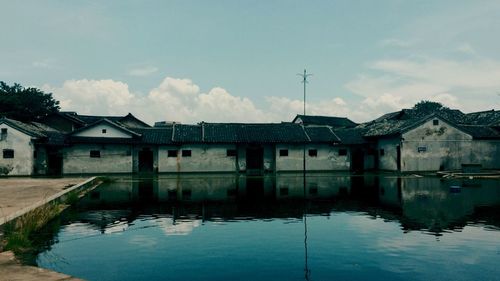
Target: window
{"type": "Point", "coordinates": [103, 131]}
{"type": "Point", "coordinates": [382, 152]}
{"type": "Point", "coordinates": [284, 191]}
{"type": "Point", "coordinates": [186, 153]}
{"type": "Point", "coordinates": [283, 152]}
{"type": "Point", "coordinates": [422, 149]}
{"type": "Point", "coordinates": [8, 153]}
{"type": "Point", "coordinates": [435, 122]}
{"type": "Point", "coordinates": [3, 134]}
{"type": "Point", "coordinates": [231, 152]}
{"type": "Point", "coordinates": [172, 153]}
{"type": "Point", "coordinates": [342, 152]}
{"type": "Point", "coordinates": [95, 154]}
{"type": "Point", "coordinates": [313, 152]}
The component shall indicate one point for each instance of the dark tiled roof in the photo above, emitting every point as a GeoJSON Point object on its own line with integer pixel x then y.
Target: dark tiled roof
{"type": "Point", "coordinates": [351, 136]}
{"type": "Point", "coordinates": [331, 121]}
{"type": "Point", "coordinates": [321, 134]}
{"type": "Point", "coordinates": [161, 135]}
{"type": "Point", "coordinates": [187, 133]}
{"type": "Point", "coordinates": [98, 140]}
{"type": "Point", "coordinates": [27, 128]}
{"type": "Point", "coordinates": [253, 133]}
{"type": "Point", "coordinates": [481, 132]}
{"type": "Point", "coordinates": [490, 117]}
{"type": "Point", "coordinates": [128, 120]}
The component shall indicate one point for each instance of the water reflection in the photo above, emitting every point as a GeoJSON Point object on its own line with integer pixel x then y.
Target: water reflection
{"type": "Point", "coordinates": [228, 226]}
{"type": "Point", "coordinates": [429, 204]}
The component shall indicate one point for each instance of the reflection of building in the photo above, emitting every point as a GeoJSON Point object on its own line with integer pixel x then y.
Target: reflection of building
{"type": "Point", "coordinates": [418, 203]}
{"type": "Point", "coordinates": [429, 203]}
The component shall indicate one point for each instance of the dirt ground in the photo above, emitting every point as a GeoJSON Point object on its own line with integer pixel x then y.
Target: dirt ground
{"type": "Point", "coordinates": [19, 193]}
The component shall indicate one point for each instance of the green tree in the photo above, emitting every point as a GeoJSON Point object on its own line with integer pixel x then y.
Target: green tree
{"type": "Point", "coordinates": [25, 104]}
{"type": "Point", "coordinates": [426, 106]}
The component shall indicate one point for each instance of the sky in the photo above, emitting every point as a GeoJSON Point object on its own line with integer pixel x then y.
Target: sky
{"type": "Point", "coordinates": [237, 61]}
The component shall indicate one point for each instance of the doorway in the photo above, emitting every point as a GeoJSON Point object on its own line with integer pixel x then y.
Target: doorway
{"type": "Point", "coordinates": [398, 157]}
{"type": "Point", "coordinates": [146, 160]}
{"type": "Point", "coordinates": [54, 162]}
{"type": "Point", "coordinates": [255, 158]}
{"type": "Point", "coordinates": [357, 161]}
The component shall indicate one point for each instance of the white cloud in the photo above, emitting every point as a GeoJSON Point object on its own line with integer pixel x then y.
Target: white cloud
{"type": "Point", "coordinates": [143, 71]}
{"type": "Point", "coordinates": [469, 85]}
{"type": "Point", "coordinates": [394, 42]}
{"type": "Point", "coordinates": [94, 96]}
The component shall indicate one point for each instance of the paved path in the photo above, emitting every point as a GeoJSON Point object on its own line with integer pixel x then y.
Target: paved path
{"type": "Point", "coordinates": [11, 270]}
{"type": "Point", "coordinates": [17, 194]}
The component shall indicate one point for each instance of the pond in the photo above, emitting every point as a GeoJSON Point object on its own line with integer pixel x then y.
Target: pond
{"type": "Point", "coordinates": [233, 227]}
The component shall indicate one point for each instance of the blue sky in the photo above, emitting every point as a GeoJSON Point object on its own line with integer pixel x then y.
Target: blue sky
{"type": "Point", "coordinates": [237, 60]}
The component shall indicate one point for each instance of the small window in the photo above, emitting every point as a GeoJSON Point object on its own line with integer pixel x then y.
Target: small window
{"type": "Point", "coordinates": [8, 153]}
{"type": "Point", "coordinates": [283, 152]}
{"type": "Point", "coordinates": [3, 134]}
{"type": "Point", "coordinates": [186, 153]}
{"type": "Point", "coordinates": [103, 131]}
{"type": "Point", "coordinates": [435, 122]}
{"type": "Point", "coordinates": [382, 152]}
{"type": "Point", "coordinates": [313, 152]}
{"type": "Point", "coordinates": [284, 191]}
{"type": "Point", "coordinates": [231, 152]}
{"type": "Point", "coordinates": [342, 152]}
{"type": "Point", "coordinates": [95, 154]}
{"type": "Point", "coordinates": [172, 153]}
{"type": "Point", "coordinates": [422, 149]}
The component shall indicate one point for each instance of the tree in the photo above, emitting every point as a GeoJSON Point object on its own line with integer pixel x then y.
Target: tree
{"type": "Point", "coordinates": [426, 106]}
{"type": "Point", "coordinates": [25, 104]}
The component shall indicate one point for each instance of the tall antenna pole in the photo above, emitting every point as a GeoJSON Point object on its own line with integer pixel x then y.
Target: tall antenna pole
{"type": "Point", "coordinates": [304, 81]}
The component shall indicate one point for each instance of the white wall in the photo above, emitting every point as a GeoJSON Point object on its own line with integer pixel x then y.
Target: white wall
{"type": "Point", "coordinates": [204, 158]}
{"type": "Point", "coordinates": [115, 158]}
{"type": "Point", "coordinates": [327, 159]}
{"type": "Point", "coordinates": [96, 131]}
{"type": "Point", "coordinates": [388, 160]}
{"type": "Point", "coordinates": [23, 162]}
{"type": "Point", "coordinates": [446, 147]}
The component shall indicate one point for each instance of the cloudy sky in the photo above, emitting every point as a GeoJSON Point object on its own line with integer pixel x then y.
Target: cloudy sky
{"type": "Point", "coordinates": [237, 61]}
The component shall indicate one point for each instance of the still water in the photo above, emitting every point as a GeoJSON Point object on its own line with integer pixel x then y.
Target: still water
{"type": "Point", "coordinates": [230, 227]}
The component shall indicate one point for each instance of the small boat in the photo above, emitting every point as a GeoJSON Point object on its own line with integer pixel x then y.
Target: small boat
{"type": "Point", "coordinates": [455, 188]}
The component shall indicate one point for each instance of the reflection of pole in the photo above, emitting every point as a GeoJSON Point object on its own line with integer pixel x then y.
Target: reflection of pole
{"type": "Point", "coordinates": [307, 272]}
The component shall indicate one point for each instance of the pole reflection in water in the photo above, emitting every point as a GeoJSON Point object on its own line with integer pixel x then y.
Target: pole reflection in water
{"type": "Point", "coordinates": [226, 227]}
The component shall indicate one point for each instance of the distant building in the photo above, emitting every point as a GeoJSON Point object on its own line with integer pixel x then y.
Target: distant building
{"type": "Point", "coordinates": [406, 141]}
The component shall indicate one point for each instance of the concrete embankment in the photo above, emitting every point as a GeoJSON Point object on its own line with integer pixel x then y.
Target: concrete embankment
{"type": "Point", "coordinates": [22, 197]}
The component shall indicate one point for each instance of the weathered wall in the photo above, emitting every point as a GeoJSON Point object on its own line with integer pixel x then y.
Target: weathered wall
{"type": "Point", "coordinates": [445, 148]}
{"type": "Point", "coordinates": [204, 158]}
{"type": "Point", "coordinates": [486, 153]}
{"type": "Point", "coordinates": [41, 161]}
{"type": "Point", "coordinates": [115, 158]}
{"type": "Point", "coordinates": [269, 162]}
{"type": "Point", "coordinates": [327, 159]}
{"type": "Point", "coordinates": [96, 131]}
{"type": "Point", "coordinates": [23, 162]}
{"type": "Point", "coordinates": [196, 188]}
{"type": "Point", "coordinates": [388, 160]}
{"type": "Point", "coordinates": [318, 185]}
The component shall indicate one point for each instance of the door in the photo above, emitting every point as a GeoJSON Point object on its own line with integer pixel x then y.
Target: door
{"type": "Point", "coordinates": [398, 157]}
{"type": "Point", "coordinates": [357, 160]}
{"type": "Point", "coordinates": [146, 160]}
{"type": "Point", "coordinates": [255, 158]}
{"type": "Point", "coordinates": [54, 163]}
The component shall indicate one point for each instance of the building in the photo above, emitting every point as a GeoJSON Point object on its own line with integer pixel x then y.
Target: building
{"type": "Point", "coordinates": [405, 141]}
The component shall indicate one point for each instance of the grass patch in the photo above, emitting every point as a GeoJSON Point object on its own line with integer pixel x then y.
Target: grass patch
{"type": "Point", "coordinates": [17, 233]}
